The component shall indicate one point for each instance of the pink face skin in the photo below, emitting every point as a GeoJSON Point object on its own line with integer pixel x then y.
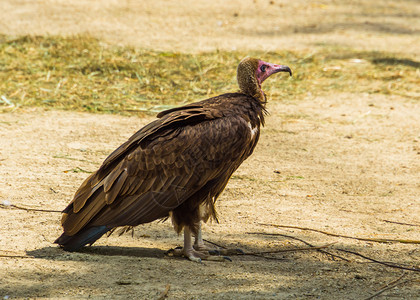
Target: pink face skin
{"type": "Point", "coordinates": [266, 69]}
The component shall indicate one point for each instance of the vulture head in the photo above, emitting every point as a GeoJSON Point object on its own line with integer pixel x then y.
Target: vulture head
{"type": "Point", "coordinates": [251, 74]}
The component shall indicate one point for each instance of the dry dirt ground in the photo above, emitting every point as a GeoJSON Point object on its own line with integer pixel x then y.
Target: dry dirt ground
{"type": "Point", "coordinates": [342, 163]}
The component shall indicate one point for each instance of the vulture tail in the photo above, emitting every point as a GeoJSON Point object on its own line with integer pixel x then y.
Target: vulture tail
{"type": "Point", "coordinates": [82, 238]}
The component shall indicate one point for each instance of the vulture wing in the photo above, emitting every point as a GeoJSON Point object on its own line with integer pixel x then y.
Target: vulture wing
{"type": "Point", "coordinates": [162, 166]}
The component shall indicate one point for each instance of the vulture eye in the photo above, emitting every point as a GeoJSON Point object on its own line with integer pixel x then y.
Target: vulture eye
{"type": "Point", "coordinates": [263, 68]}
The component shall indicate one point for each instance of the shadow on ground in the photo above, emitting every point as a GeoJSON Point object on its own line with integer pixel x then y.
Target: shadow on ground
{"type": "Point", "coordinates": [144, 272]}
{"type": "Point", "coordinates": [57, 253]}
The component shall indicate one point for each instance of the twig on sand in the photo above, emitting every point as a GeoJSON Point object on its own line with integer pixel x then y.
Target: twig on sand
{"type": "Point", "coordinates": [303, 241]}
{"type": "Point", "coordinates": [13, 254]}
{"type": "Point", "coordinates": [288, 250]}
{"type": "Point", "coordinates": [261, 254]}
{"type": "Point", "coordinates": [401, 223]}
{"type": "Point", "coordinates": [388, 264]}
{"type": "Point", "coordinates": [28, 209]}
{"type": "Point", "coordinates": [164, 294]}
{"type": "Point", "coordinates": [391, 285]}
{"type": "Point", "coordinates": [344, 236]}
{"type": "Point", "coordinates": [214, 244]}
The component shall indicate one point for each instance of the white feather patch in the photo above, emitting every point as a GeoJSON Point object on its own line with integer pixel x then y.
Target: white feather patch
{"type": "Point", "coordinates": [253, 130]}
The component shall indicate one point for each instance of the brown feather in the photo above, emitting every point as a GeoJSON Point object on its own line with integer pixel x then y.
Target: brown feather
{"type": "Point", "coordinates": [112, 194]}
{"type": "Point", "coordinates": [111, 178]}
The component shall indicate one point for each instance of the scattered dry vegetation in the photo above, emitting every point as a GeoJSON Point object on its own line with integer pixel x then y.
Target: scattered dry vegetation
{"type": "Point", "coordinates": [81, 73]}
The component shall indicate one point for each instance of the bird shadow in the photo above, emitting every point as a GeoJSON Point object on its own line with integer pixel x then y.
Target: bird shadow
{"type": "Point", "coordinates": [325, 28]}
{"type": "Point", "coordinates": [396, 61]}
{"type": "Point", "coordinates": [377, 58]}
{"type": "Point", "coordinates": [90, 252]}
{"type": "Point", "coordinates": [59, 254]}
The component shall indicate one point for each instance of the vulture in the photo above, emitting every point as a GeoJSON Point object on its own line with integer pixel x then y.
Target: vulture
{"type": "Point", "coordinates": [174, 167]}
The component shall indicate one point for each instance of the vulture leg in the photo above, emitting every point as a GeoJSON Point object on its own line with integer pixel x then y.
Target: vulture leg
{"type": "Point", "coordinates": [199, 251]}
{"type": "Point", "coordinates": [199, 243]}
{"type": "Point", "coordinates": [193, 254]}
{"type": "Point", "coordinates": [189, 250]}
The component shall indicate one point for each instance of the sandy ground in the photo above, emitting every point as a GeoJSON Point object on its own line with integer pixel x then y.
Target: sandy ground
{"type": "Point", "coordinates": [192, 25]}
{"type": "Point", "coordinates": [343, 163]}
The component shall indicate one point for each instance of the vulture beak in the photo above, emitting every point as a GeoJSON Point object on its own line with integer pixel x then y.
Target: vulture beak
{"type": "Point", "coordinates": [265, 70]}
{"type": "Point", "coordinates": [281, 68]}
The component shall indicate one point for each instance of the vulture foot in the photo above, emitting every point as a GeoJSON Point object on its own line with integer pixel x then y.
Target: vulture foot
{"type": "Point", "coordinates": [199, 251]}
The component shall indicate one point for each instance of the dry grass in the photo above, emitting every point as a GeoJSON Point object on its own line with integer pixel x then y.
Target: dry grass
{"type": "Point", "coordinates": [81, 73]}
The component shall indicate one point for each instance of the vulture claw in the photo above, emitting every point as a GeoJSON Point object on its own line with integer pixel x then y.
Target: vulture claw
{"type": "Point", "coordinates": [240, 251]}
{"type": "Point", "coordinates": [227, 258]}
{"type": "Point", "coordinates": [170, 252]}
{"type": "Point", "coordinates": [195, 259]}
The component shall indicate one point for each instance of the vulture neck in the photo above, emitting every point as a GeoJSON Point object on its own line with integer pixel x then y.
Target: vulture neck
{"type": "Point", "coordinates": [248, 83]}
{"type": "Point", "coordinates": [254, 91]}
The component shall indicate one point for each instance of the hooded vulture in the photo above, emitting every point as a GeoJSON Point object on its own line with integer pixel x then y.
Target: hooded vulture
{"type": "Point", "coordinates": [176, 166]}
